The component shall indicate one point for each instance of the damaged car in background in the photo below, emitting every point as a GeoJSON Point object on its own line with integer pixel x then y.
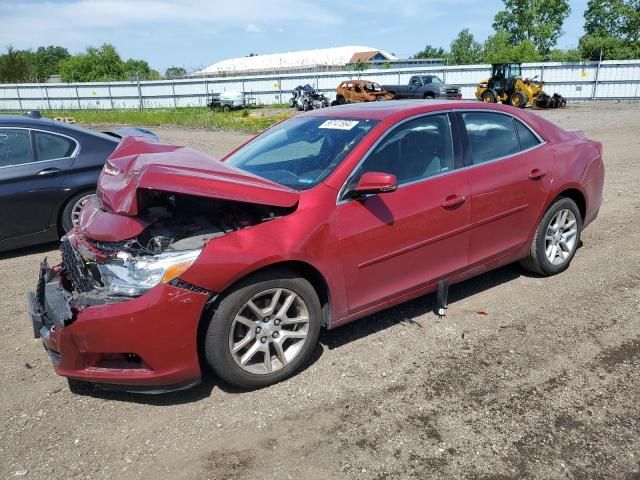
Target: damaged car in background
{"type": "Point", "coordinates": [182, 261]}
{"type": "Point", "coordinates": [48, 170]}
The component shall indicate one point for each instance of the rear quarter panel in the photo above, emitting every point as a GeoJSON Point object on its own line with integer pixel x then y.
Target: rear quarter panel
{"type": "Point", "coordinates": [579, 166]}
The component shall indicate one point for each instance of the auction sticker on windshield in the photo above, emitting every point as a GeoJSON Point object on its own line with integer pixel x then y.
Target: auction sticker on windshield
{"type": "Point", "coordinates": [339, 124]}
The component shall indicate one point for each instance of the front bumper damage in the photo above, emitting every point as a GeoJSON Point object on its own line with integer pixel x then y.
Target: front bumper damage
{"type": "Point", "coordinates": [147, 343]}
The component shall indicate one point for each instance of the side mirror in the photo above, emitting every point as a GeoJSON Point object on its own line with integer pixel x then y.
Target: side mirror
{"type": "Point", "coordinates": [374, 183]}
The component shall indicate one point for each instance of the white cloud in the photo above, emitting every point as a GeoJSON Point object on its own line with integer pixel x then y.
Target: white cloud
{"type": "Point", "coordinates": [253, 28]}
{"type": "Point", "coordinates": [43, 22]}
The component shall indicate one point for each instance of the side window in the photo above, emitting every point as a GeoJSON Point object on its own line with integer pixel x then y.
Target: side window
{"type": "Point", "coordinates": [427, 80]}
{"type": "Point", "coordinates": [491, 136]}
{"type": "Point", "coordinates": [15, 147]}
{"type": "Point", "coordinates": [418, 149]}
{"type": "Point", "coordinates": [415, 81]}
{"type": "Point", "coordinates": [527, 138]}
{"type": "Point", "coordinates": [50, 146]}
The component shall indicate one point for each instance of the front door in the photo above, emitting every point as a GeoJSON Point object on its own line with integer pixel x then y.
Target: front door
{"type": "Point", "coordinates": [415, 87]}
{"type": "Point", "coordinates": [396, 242]}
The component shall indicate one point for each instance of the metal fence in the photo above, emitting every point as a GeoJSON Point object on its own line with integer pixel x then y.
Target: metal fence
{"type": "Point", "coordinates": [576, 81]}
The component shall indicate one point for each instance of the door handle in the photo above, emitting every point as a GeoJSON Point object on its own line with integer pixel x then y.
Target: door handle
{"type": "Point", "coordinates": [49, 172]}
{"type": "Point", "coordinates": [453, 201]}
{"type": "Point", "coordinates": [537, 174]}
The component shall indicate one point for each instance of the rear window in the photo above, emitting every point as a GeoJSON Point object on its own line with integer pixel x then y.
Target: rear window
{"type": "Point", "coordinates": [15, 147]}
{"type": "Point", "coordinates": [491, 136]}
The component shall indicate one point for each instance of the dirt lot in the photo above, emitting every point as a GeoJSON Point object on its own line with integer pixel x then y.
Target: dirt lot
{"type": "Point", "coordinates": [525, 378]}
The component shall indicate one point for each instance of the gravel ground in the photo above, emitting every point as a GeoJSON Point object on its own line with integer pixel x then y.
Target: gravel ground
{"type": "Point", "coordinates": [526, 377]}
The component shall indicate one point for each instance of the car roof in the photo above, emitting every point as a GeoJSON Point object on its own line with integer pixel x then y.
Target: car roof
{"type": "Point", "coordinates": [396, 110]}
{"type": "Point", "coordinates": [49, 124]}
{"type": "Point", "coordinates": [383, 110]}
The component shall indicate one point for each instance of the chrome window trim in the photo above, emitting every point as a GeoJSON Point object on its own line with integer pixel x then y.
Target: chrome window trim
{"type": "Point", "coordinates": [74, 154]}
{"type": "Point", "coordinates": [340, 200]}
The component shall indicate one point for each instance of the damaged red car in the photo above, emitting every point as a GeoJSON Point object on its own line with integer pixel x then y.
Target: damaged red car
{"type": "Point", "coordinates": [182, 261]}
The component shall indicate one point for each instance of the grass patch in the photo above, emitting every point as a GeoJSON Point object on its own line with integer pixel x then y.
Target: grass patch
{"type": "Point", "coordinates": [246, 120]}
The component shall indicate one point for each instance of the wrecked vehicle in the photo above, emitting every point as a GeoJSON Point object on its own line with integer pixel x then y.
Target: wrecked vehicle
{"type": "Point", "coordinates": [355, 91]}
{"type": "Point", "coordinates": [304, 98]}
{"type": "Point", "coordinates": [182, 260]}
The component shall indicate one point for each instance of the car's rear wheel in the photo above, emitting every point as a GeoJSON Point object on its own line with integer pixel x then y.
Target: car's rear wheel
{"type": "Point", "coordinates": [340, 100]}
{"type": "Point", "coordinates": [263, 330]}
{"type": "Point", "coordinates": [556, 239]}
{"type": "Point", "coordinates": [71, 212]}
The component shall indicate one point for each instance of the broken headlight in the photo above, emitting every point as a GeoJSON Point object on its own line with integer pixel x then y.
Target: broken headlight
{"type": "Point", "coordinates": [131, 277]}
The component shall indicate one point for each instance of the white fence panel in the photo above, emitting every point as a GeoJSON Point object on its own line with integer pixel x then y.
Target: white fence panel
{"type": "Point", "coordinates": [579, 81]}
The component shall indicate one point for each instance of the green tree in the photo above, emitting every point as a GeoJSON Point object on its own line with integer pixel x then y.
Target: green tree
{"type": "Point", "coordinates": [465, 50]}
{"type": "Point", "coordinates": [173, 72]}
{"type": "Point", "coordinates": [559, 55]}
{"type": "Point", "coordinates": [431, 52]}
{"type": "Point", "coordinates": [96, 64]}
{"type": "Point", "coordinates": [612, 28]}
{"type": "Point", "coordinates": [538, 21]}
{"type": "Point", "coordinates": [359, 66]}
{"type": "Point", "coordinates": [139, 70]}
{"type": "Point", "coordinates": [499, 48]}
{"type": "Point", "coordinates": [611, 48]}
{"type": "Point", "coordinates": [15, 66]}
{"type": "Point", "coordinates": [46, 61]}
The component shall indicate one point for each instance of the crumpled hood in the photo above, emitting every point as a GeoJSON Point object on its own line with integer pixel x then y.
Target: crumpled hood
{"type": "Point", "coordinates": [142, 163]}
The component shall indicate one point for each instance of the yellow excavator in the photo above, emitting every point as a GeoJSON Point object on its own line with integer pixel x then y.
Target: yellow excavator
{"type": "Point", "coordinates": [507, 86]}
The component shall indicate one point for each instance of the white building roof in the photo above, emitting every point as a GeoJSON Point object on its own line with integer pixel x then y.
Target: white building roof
{"type": "Point", "coordinates": [293, 60]}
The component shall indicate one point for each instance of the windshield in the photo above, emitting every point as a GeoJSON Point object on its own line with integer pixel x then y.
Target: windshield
{"type": "Point", "coordinates": [301, 151]}
{"type": "Point", "coordinates": [515, 70]}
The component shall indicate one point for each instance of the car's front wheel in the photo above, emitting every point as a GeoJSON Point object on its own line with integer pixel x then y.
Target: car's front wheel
{"type": "Point", "coordinates": [556, 239]}
{"type": "Point", "coordinates": [263, 330]}
{"type": "Point", "coordinates": [71, 213]}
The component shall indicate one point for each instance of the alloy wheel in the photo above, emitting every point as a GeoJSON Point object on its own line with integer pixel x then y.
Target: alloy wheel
{"type": "Point", "coordinates": [77, 208]}
{"type": "Point", "coordinates": [560, 239]}
{"type": "Point", "coordinates": [269, 331]}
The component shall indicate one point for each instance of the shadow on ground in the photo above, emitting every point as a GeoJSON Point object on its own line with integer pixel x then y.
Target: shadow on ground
{"type": "Point", "coordinates": [334, 339]}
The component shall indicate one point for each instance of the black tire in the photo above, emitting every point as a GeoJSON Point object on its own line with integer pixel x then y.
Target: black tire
{"type": "Point", "coordinates": [429, 96]}
{"type": "Point", "coordinates": [489, 96]}
{"type": "Point", "coordinates": [537, 261]}
{"type": "Point", "coordinates": [518, 99]}
{"type": "Point", "coordinates": [80, 387]}
{"type": "Point", "coordinates": [69, 211]}
{"type": "Point", "coordinates": [216, 342]}
{"type": "Point", "coordinates": [340, 100]}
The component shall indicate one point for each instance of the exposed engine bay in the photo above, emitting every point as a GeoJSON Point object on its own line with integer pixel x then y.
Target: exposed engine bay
{"type": "Point", "coordinates": [183, 222]}
{"type": "Point", "coordinates": [178, 228]}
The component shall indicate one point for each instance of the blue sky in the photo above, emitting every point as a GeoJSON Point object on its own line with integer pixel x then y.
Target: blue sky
{"type": "Point", "coordinates": [196, 33]}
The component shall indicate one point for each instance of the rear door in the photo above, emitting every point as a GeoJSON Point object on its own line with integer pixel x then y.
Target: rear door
{"type": "Point", "coordinates": [32, 163]}
{"type": "Point", "coordinates": [396, 242]}
{"type": "Point", "coordinates": [510, 172]}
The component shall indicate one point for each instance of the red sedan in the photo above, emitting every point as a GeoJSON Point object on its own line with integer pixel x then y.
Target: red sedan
{"type": "Point", "coordinates": [182, 260]}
